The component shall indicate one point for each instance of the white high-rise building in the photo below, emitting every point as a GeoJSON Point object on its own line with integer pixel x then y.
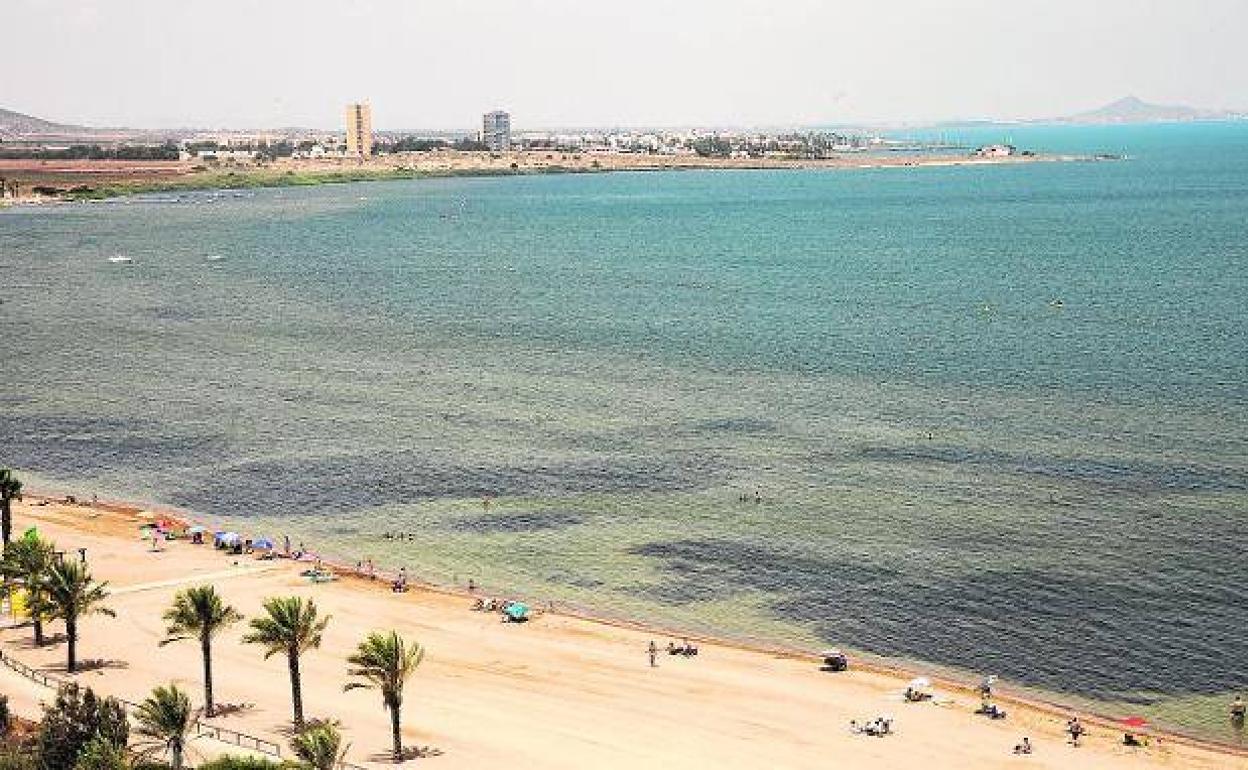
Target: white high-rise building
{"type": "Point", "coordinates": [496, 130]}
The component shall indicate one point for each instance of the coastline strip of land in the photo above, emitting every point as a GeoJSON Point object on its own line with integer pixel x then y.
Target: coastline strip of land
{"type": "Point", "coordinates": [59, 180]}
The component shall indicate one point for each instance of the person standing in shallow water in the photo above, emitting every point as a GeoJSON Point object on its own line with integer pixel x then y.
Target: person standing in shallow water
{"type": "Point", "coordinates": [1238, 711]}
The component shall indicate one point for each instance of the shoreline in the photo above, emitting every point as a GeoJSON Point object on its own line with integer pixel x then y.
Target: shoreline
{"type": "Point", "coordinates": [76, 181]}
{"type": "Point", "coordinates": [860, 660]}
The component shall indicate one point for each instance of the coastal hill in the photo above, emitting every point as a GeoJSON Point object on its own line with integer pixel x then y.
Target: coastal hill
{"type": "Point", "coordinates": [1131, 109]}
{"type": "Point", "coordinates": [18, 126]}
{"type": "Point", "coordinates": [14, 124]}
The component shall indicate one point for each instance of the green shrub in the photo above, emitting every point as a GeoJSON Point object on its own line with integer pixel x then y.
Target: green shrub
{"type": "Point", "coordinates": [73, 720]}
{"type": "Point", "coordinates": [101, 754]}
{"type": "Point", "coordinates": [12, 759]}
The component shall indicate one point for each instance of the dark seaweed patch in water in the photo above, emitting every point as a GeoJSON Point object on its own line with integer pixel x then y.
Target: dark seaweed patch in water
{"type": "Point", "coordinates": [574, 580]}
{"type": "Point", "coordinates": [736, 425]}
{"type": "Point", "coordinates": [1138, 476]}
{"type": "Point", "coordinates": [1173, 630]}
{"type": "Point", "coordinates": [519, 521]}
{"type": "Point", "coordinates": [677, 591]}
{"type": "Point", "coordinates": [172, 313]}
{"type": "Point", "coordinates": [354, 482]}
{"type": "Point", "coordinates": [85, 446]}
{"type": "Point", "coordinates": [744, 565]}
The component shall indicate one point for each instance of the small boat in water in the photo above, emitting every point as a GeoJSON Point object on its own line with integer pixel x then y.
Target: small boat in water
{"type": "Point", "coordinates": [121, 260]}
{"type": "Point", "coordinates": [214, 258]}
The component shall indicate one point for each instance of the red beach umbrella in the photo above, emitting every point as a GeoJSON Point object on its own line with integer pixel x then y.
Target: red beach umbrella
{"type": "Point", "coordinates": [1136, 722]}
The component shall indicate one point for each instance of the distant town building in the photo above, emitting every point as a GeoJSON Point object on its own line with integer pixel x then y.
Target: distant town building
{"type": "Point", "coordinates": [217, 154]}
{"type": "Point", "coordinates": [995, 151]}
{"type": "Point", "coordinates": [359, 129]}
{"type": "Point", "coordinates": [496, 130]}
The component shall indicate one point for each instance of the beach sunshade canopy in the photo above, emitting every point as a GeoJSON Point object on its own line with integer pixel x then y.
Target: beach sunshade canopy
{"type": "Point", "coordinates": [516, 610]}
{"type": "Point", "coordinates": [920, 683]}
{"type": "Point", "coordinates": [195, 530]}
{"type": "Point", "coordinates": [262, 543]}
{"type": "Point", "coordinates": [229, 538]}
{"type": "Point", "coordinates": [1136, 722]}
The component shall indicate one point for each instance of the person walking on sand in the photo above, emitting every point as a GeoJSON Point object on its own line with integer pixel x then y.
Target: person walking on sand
{"type": "Point", "coordinates": [1075, 728]}
{"type": "Point", "coordinates": [653, 650]}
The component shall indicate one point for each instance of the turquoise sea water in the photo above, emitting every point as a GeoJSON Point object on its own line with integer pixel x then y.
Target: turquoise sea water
{"type": "Point", "coordinates": [996, 416]}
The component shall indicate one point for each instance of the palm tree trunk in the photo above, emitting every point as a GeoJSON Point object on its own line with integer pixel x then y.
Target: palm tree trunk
{"type": "Point", "coordinates": [206, 647]}
{"type": "Point", "coordinates": [296, 690]}
{"type": "Point", "coordinates": [395, 732]}
{"type": "Point", "coordinates": [38, 621]}
{"type": "Point", "coordinates": [176, 750]}
{"type": "Point", "coordinates": [71, 634]}
{"type": "Point", "coordinates": [6, 521]}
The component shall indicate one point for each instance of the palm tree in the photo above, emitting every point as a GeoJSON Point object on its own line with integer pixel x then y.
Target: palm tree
{"type": "Point", "coordinates": [72, 594]}
{"type": "Point", "coordinates": [166, 717]}
{"type": "Point", "coordinates": [320, 746]}
{"type": "Point", "coordinates": [384, 661]}
{"type": "Point", "coordinates": [289, 626]}
{"type": "Point", "coordinates": [10, 490]}
{"type": "Point", "coordinates": [28, 560]}
{"type": "Point", "coordinates": [199, 613]}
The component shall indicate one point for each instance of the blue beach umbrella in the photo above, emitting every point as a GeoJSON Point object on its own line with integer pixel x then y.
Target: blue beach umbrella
{"type": "Point", "coordinates": [263, 543]}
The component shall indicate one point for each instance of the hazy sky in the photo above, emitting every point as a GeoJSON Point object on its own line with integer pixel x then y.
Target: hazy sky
{"type": "Point", "coordinates": [232, 63]}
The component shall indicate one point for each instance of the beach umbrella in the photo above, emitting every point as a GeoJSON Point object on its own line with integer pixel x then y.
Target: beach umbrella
{"type": "Point", "coordinates": [920, 683]}
{"type": "Point", "coordinates": [263, 543]}
{"type": "Point", "coordinates": [230, 538]}
{"type": "Point", "coordinates": [195, 530]}
{"type": "Point", "coordinates": [1135, 722]}
{"type": "Point", "coordinates": [516, 610]}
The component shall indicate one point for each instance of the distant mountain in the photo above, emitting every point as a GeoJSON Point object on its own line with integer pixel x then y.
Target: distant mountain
{"type": "Point", "coordinates": [1131, 109]}
{"type": "Point", "coordinates": [17, 124]}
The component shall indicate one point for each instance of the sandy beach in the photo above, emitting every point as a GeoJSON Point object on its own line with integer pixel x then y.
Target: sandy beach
{"type": "Point", "coordinates": [557, 692]}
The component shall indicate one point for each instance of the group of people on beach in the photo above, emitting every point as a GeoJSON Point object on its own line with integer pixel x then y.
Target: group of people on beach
{"type": "Point", "coordinates": [684, 649]}
{"type": "Point", "coordinates": [877, 728]}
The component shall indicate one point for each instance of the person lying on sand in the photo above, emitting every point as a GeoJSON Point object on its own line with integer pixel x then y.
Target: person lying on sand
{"type": "Point", "coordinates": [878, 727]}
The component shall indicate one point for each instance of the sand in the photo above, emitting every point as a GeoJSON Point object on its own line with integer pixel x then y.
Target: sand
{"type": "Point", "coordinates": [557, 692]}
